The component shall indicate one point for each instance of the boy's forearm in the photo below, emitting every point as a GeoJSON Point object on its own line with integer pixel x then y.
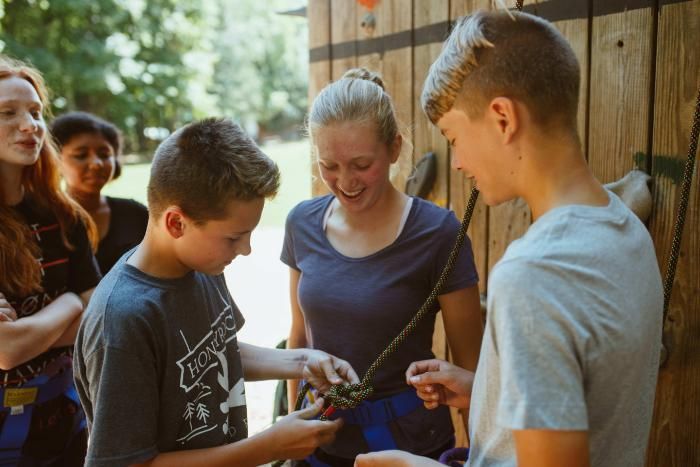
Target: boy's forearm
{"type": "Point", "coordinates": [250, 452]}
{"type": "Point", "coordinates": [260, 363]}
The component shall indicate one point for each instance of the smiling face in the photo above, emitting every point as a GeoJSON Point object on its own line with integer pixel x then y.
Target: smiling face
{"type": "Point", "coordinates": [88, 162]}
{"type": "Point", "coordinates": [211, 246]}
{"type": "Point", "coordinates": [354, 163]}
{"type": "Point", "coordinates": [477, 151]}
{"type": "Point", "coordinates": [22, 127]}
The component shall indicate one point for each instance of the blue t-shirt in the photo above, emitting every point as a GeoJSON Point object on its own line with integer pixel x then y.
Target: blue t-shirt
{"type": "Point", "coordinates": [354, 307]}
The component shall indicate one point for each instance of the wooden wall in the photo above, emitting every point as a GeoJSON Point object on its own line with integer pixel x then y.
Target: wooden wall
{"type": "Point", "coordinates": [640, 63]}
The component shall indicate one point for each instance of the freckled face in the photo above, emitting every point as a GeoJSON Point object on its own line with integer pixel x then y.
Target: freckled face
{"type": "Point", "coordinates": [88, 162]}
{"type": "Point", "coordinates": [22, 127]}
{"type": "Point", "coordinates": [354, 163]}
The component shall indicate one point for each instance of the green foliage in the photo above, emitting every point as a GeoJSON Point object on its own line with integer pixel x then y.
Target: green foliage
{"type": "Point", "coordinates": [261, 73]}
{"type": "Point", "coordinates": [160, 63]}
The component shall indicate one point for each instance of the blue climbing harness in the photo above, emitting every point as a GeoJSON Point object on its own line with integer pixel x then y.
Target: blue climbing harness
{"type": "Point", "coordinates": [19, 403]}
{"type": "Point", "coordinates": [374, 417]}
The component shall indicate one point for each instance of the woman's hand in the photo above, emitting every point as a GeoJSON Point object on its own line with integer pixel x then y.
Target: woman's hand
{"type": "Point", "coordinates": [7, 313]}
{"type": "Point", "coordinates": [440, 382]}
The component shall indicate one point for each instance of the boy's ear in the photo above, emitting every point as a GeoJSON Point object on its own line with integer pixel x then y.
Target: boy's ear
{"type": "Point", "coordinates": [504, 113]}
{"type": "Point", "coordinates": [174, 221]}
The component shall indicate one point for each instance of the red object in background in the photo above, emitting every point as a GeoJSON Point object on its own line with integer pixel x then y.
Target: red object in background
{"type": "Point", "coordinates": [369, 4]}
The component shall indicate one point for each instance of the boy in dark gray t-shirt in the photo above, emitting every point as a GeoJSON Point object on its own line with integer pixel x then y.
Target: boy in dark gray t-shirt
{"type": "Point", "coordinates": [158, 367]}
{"type": "Point", "coordinates": [569, 360]}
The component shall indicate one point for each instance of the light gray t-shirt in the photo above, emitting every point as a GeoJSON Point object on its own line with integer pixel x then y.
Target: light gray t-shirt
{"type": "Point", "coordinates": [572, 337]}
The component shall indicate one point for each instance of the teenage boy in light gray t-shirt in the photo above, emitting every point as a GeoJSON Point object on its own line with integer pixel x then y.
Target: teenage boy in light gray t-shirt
{"type": "Point", "coordinates": [569, 359]}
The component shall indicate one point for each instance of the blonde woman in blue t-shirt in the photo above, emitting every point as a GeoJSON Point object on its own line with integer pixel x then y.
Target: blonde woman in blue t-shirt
{"type": "Point", "coordinates": [362, 261]}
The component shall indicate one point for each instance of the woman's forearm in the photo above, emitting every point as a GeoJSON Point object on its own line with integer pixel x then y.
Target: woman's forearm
{"type": "Point", "coordinates": [28, 337]}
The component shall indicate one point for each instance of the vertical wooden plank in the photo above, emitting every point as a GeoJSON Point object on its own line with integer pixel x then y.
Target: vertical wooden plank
{"type": "Point", "coordinates": [319, 16]}
{"type": "Point", "coordinates": [460, 189]}
{"type": "Point", "coordinates": [370, 60]}
{"type": "Point", "coordinates": [576, 32]}
{"type": "Point", "coordinates": [621, 59]}
{"type": "Point", "coordinates": [675, 435]}
{"type": "Point", "coordinates": [343, 37]}
{"type": "Point", "coordinates": [426, 136]}
{"type": "Point", "coordinates": [397, 18]}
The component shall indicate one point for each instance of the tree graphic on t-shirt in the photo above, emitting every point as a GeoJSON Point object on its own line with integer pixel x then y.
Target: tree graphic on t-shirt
{"type": "Point", "coordinates": [202, 413]}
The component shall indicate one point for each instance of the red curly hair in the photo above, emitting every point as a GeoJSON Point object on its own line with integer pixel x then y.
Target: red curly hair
{"type": "Point", "coordinates": [20, 271]}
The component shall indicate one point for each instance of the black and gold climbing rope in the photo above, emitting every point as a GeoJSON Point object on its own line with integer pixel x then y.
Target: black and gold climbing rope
{"type": "Point", "coordinates": [680, 223]}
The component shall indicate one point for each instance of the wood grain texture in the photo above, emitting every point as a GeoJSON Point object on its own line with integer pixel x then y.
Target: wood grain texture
{"type": "Point", "coordinates": [319, 14]}
{"type": "Point", "coordinates": [460, 187]}
{"type": "Point", "coordinates": [397, 16]}
{"type": "Point", "coordinates": [675, 436]}
{"type": "Point", "coordinates": [427, 137]}
{"type": "Point", "coordinates": [621, 60]}
{"type": "Point", "coordinates": [343, 29]}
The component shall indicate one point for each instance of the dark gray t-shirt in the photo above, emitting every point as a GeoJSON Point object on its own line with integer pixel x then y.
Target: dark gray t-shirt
{"type": "Point", "coordinates": [354, 307]}
{"type": "Point", "coordinates": [157, 366]}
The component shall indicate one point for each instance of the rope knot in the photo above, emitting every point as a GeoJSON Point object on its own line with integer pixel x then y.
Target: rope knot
{"type": "Point", "coordinates": [348, 396]}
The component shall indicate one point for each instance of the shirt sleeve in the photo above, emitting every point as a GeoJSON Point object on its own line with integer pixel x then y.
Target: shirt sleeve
{"type": "Point", "coordinates": [287, 256]}
{"type": "Point", "coordinates": [83, 271]}
{"type": "Point", "coordinates": [464, 273]}
{"type": "Point", "coordinates": [541, 378]}
{"type": "Point", "coordinates": [124, 394]}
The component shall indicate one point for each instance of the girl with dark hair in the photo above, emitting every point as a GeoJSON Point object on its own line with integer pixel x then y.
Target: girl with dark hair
{"type": "Point", "coordinates": [90, 148]}
{"type": "Point", "coordinates": [47, 273]}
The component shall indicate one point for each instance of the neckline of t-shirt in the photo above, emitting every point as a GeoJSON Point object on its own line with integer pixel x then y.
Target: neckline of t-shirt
{"type": "Point", "coordinates": [609, 211]}
{"type": "Point", "coordinates": [319, 225]}
{"type": "Point", "coordinates": [160, 282]}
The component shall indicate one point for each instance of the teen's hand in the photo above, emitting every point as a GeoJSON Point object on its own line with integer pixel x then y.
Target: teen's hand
{"type": "Point", "coordinates": [440, 382]}
{"type": "Point", "coordinates": [323, 370]}
{"type": "Point", "coordinates": [7, 313]}
{"type": "Point", "coordinates": [393, 459]}
{"type": "Point", "coordinates": [295, 436]}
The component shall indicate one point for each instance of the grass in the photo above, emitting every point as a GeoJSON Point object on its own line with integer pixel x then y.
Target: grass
{"type": "Point", "coordinates": [291, 157]}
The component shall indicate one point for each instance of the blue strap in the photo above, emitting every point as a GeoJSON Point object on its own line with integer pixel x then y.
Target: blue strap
{"type": "Point", "coordinates": [382, 410]}
{"type": "Point", "coordinates": [16, 426]}
{"type": "Point", "coordinates": [374, 417]}
{"type": "Point", "coordinates": [314, 461]}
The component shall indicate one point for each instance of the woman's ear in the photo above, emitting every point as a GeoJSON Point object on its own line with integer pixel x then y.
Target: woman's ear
{"type": "Point", "coordinates": [396, 146]}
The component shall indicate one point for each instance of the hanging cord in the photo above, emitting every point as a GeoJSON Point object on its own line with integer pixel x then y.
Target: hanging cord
{"type": "Point", "coordinates": [680, 223]}
{"type": "Point", "coordinates": [350, 396]}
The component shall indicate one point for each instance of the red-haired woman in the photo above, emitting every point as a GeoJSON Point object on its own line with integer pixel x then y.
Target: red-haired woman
{"type": "Point", "coordinates": [47, 273]}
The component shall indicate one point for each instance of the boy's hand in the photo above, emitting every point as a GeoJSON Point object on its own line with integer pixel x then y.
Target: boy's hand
{"type": "Point", "coordinates": [392, 459]}
{"type": "Point", "coordinates": [295, 436]}
{"type": "Point", "coordinates": [323, 370]}
{"type": "Point", "coordinates": [439, 382]}
{"type": "Point", "coordinates": [7, 313]}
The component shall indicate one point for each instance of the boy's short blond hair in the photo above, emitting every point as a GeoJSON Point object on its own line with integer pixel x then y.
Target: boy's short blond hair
{"type": "Point", "coordinates": [508, 54]}
{"type": "Point", "coordinates": [203, 166]}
